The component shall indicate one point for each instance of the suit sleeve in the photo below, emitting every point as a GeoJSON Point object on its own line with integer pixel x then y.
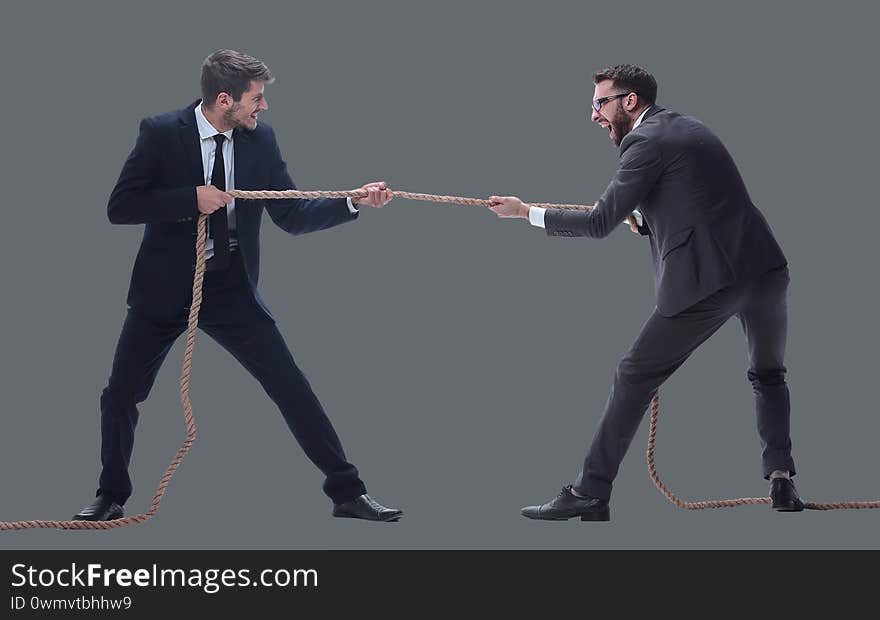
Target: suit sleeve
{"type": "Point", "coordinates": [298, 216]}
{"type": "Point", "coordinates": [640, 167]}
{"type": "Point", "coordinates": [135, 200]}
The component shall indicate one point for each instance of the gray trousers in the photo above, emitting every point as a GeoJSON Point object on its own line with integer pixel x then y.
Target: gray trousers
{"type": "Point", "coordinates": [666, 342]}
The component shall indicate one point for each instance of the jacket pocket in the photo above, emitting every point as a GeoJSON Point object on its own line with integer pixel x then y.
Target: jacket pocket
{"type": "Point", "coordinates": [676, 240]}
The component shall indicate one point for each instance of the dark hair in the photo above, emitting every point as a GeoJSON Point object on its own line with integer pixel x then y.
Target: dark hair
{"type": "Point", "coordinates": [632, 79]}
{"type": "Point", "coordinates": [228, 71]}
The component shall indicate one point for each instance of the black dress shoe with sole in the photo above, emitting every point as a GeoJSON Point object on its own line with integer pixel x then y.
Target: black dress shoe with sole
{"type": "Point", "coordinates": [365, 507]}
{"type": "Point", "coordinates": [784, 497]}
{"type": "Point", "coordinates": [567, 505]}
{"type": "Point", "coordinates": [102, 509]}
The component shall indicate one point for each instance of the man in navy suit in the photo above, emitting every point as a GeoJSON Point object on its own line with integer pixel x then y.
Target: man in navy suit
{"type": "Point", "coordinates": [714, 257]}
{"type": "Point", "coordinates": [182, 165]}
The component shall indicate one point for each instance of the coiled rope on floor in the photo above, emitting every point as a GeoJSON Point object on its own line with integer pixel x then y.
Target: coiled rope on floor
{"type": "Point", "coordinates": [192, 323]}
{"type": "Point", "coordinates": [725, 503]}
{"type": "Point", "coordinates": [187, 415]}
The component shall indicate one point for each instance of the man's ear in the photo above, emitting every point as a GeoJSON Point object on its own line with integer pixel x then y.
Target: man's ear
{"type": "Point", "coordinates": [631, 102]}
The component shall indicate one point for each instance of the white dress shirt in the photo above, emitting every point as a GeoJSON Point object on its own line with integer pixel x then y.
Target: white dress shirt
{"type": "Point", "coordinates": [209, 148]}
{"type": "Point", "coordinates": [536, 214]}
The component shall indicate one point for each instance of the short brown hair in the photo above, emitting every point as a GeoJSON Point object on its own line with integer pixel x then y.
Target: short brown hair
{"type": "Point", "coordinates": [228, 71]}
{"type": "Point", "coordinates": [632, 79]}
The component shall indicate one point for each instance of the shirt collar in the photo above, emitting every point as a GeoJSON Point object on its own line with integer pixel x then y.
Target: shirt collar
{"type": "Point", "coordinates": [206, 129]}
{"type": "Point", "coordinates": [641, 116]}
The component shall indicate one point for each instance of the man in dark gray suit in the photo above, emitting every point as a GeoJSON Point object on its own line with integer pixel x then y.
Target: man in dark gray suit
{"type": "Point", "coordinates": [714, 257]}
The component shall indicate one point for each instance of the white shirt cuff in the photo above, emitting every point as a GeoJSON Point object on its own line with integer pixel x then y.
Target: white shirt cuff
{"type": "Point", "coordinates": [351, 206]}
{"type": "Point", "coordinates": [536, 216]}
{"type": "Point", "coordinates": [640, 220]}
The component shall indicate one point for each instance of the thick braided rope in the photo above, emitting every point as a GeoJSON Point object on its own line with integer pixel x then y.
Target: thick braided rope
{"type": "Point", "coordinates": [357, 193]}
{"type": "Point", "coordinates": [655, 402]}
{"type": "Point", "coordinates": [187, 366]}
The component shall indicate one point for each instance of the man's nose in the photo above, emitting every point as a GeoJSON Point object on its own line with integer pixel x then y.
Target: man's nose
{"type": "Point", "coordinates": [595, 116]}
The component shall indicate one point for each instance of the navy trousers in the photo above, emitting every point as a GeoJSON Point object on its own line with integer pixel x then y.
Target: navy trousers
{"type": "Point", "coordinates": [230, 315]}
{"type": "Point", "coordinates": [666, 342]}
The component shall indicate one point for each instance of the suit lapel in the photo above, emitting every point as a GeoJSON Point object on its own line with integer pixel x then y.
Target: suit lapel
{"type": "Point", "coordinates": [191, 144]}
{"type": "Point", "coordinates": [243, 146]}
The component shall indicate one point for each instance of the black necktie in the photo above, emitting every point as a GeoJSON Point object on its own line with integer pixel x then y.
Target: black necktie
{"type": "Point", "coordinates": [219, 223]}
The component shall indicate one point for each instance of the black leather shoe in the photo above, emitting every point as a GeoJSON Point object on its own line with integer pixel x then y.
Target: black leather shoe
{"type": "Point", "coordinates": [365, 507]}
{"type": "Point", "coordinates": [784, 497]}
{"type": "Point", "coordinates": [102, 509]}
{"type": "Point", "coordinates": [567, 505]}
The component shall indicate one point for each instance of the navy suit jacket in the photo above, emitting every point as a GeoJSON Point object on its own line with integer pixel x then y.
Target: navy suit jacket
{"type": "Point", "coordinates": [705, 232]}
{"type": "Point", "coordinates": [157, 187]}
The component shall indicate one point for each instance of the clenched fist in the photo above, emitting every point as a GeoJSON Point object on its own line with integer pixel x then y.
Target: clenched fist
{"type": "Point", "coordinates": [210, 199]}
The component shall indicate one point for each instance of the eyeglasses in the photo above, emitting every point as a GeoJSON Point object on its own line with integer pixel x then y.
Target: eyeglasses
{"type": "Point", "coordinates": [597, 103]}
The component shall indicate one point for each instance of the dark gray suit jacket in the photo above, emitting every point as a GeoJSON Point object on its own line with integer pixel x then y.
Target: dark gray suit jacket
{"type": "Point", "coordinates": [705, 232]}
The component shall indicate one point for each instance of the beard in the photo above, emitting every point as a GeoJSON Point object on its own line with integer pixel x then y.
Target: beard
{"type": "Point", "coordinates": [620, 126]}
{"type": "Point", "coordinates": [230, 117]}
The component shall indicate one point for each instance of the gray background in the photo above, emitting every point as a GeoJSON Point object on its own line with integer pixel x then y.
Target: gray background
{"type": "Point", "coordinates": [465, 360]}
